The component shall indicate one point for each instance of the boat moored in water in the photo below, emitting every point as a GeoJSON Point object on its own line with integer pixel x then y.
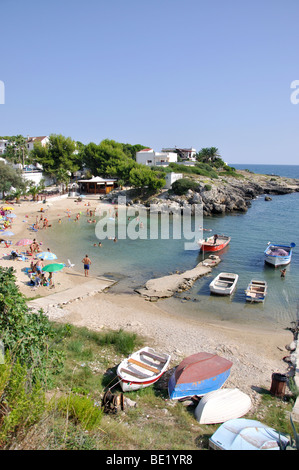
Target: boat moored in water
{"type": "Point", "coordinates": [278, 255]}
{"type": "Point", "coordinates": [214, 243]}
{"type": "Point", "coordinates": [224, 284]}
{"type": "Point", "coordinates": [256, 291]}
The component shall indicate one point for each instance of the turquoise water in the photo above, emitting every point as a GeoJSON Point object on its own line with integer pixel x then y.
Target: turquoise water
{"type": "Point", "coordinates": [133, 262]}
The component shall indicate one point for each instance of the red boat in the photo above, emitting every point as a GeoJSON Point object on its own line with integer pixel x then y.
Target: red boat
{"type": "Point", "coordinates": [214, 243]}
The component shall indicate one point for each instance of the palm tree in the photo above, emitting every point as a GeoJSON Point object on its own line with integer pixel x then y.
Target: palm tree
{"type": "Point", "coordinates": [34, 190]}
{"type": "Point", "coordinates": [208, 155]}
{"type": "Point", "coordinates": [17, 194]}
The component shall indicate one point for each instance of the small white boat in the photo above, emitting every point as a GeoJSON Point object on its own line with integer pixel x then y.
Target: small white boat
{"type": "Point", "coordinates": [221, 405]}
{"type": "Point", "coordinates": [224, 283]}
{"type": "Point", "coordinates": [142, 368]}
{"type": "Point", "coordinates": [256, 291]}
{"type": "Point", "coordinates": [247, 434]}
{"type": "Point", "coordinates": [278, 255]}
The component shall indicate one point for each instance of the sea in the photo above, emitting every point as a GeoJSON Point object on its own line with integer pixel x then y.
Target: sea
{"type": "Point", "coordinates": [131, 262]}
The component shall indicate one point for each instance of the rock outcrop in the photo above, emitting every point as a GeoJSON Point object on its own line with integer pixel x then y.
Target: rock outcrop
{"type": "Point", "coordinates": [217, 196]}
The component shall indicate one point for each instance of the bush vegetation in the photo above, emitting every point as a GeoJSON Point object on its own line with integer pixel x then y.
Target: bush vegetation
{"type": "Point", "coordinates": [64, 411]}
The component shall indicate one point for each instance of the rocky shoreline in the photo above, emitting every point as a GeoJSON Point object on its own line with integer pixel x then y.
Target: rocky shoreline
{"type": "Point", "coordinates": [217, 196]}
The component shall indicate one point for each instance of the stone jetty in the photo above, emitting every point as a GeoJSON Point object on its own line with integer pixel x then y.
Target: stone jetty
{"type": "Point", "coordinates": [166, 286]}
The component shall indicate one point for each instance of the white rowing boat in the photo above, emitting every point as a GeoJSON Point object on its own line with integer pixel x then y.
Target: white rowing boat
{"type": "Point", "coordinates": [221, 405]}
{"type": "Point", "coordinates": [224, 283]}
{"type": "Point", "coordinates": [142, 368]}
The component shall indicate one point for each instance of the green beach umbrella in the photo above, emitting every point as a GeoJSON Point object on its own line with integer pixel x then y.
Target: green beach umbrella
{"type": "Point", "coordinates": [52, 268]}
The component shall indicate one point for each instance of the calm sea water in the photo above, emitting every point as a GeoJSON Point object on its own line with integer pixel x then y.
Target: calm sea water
{"type": "Point", "coordinates": [133, 262]}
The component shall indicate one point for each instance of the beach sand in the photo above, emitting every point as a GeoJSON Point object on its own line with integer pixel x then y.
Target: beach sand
{"type": "Point", "coordinates": [256, 353]}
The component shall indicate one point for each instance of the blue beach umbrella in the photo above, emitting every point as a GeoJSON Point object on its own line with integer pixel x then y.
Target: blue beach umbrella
{"type": "Point", "coordinates": [46, 255]}
{"type": "Point", "coordinates": [11, 216]}
{"type": "Point", "coordinates": [7, 233]}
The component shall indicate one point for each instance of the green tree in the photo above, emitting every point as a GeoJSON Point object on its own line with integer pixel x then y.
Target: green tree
{"type": "Point", "coordinates": [143, 177]}
{"type": "Point", "coordinates": [16, 149]}
{"type": "Point", "coordinates": [106, 158]}
{"type": "Point", "coordinates": [58, 153]}
{"type": "Point", "coordinates": [208, 155]}
{"type": "Point", "coordinates": [10, 177]}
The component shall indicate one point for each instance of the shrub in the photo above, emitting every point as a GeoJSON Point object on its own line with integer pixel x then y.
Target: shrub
{"type": "Point", "coordinates": [123, 342]}
{"type": "Point", "coordinates": [21, 404]}
{"type": "Point", "coordinates": [181, 186]}
{"type": "Point", "coordinates": [80, 410]}
{"type": "Point", "coordinates": [29, 336]}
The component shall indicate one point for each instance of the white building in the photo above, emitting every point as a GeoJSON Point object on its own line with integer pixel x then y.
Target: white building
{"type": "Point", "coordinates": [3, 144]}
{"type": "Point", "coordinates": [171, 178]}
{"type": "Point", "coordinates": [32, 140]}
{"type": "Point", "coordinates": [184, 153]}
{"type": "Point", "coordinates": [151, 158]}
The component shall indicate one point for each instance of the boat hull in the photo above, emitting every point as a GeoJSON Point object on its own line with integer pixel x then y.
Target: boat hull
{"type": "Point", "coordinates": [221, 405]}
{"type": "Point", "coordinates": [129, 386]}
{"type": "Point", "coordinates": [210, 247]}
{"type": "Point", "coordinates": [197, 375]}
{"type": "Point", "coordinates": [278, 255]}
{"type": "Point", "coordinates": [247, 434]}
{"type": "Point", "coordinates": [200, 388]}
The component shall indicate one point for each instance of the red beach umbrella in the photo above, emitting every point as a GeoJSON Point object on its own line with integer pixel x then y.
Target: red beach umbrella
{"type": "Point", "coordinates": [24, 242]}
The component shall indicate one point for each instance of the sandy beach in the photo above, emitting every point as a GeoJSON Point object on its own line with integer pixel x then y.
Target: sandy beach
{"type": "Point", "coordinates": [256, 353]}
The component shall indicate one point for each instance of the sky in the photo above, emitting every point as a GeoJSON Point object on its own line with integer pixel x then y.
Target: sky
{"type": "Point", "coordinates": [161, 73]}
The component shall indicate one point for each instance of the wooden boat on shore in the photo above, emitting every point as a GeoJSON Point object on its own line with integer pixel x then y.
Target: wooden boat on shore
{"type": "Point", "coordinates": [247, 434]}
{"type": "Point", "coordinates": [224, 284]}
{"type": "Point", "coordinates": [256, 291]}
{"type": "Point", "coordinates": [198, 374]}
{"type": "Point", "coordinates": [142, 368]}
{"type": "Point", "coordinates": [221, 405]}
{"type": "Point", "coordinates": [214, 243]}
{"type": "Point", "coordinates": [278, 255]}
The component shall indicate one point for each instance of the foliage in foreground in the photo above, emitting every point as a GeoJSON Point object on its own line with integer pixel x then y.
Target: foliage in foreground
{"type": "Point", "coordinates": [28, 336]}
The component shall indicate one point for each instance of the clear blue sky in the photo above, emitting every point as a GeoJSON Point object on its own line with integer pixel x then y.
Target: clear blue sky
{"type": "Point", "coordinates": [160, 73]}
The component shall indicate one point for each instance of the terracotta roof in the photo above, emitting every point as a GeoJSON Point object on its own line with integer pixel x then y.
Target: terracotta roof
{"type": "Point", "coordinates": [32, 139]}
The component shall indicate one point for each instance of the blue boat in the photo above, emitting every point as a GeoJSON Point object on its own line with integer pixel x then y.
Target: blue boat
{"type": "Point", "coordinates": [278, 255]}
{"type": "Point", "coordinates": [198, 374]}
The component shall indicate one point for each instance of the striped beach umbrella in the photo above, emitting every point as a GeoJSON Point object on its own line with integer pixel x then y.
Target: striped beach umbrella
{"type": "Point", "coordinates": [46, 255]}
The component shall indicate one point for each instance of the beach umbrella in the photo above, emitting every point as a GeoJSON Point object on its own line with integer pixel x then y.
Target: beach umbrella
{"type": "Point", "coordinates": [11, 216]}
{"type": "Point", "coordinates": [8, 233]}
{"type": "Point", "coordinates": [24, 242]}
{"type": "Point", "coordinates": [52, 268]}
{"type": "Point", "coordinates": [8, 208]}
{"type": "Point", "coordinates": [46, 255]}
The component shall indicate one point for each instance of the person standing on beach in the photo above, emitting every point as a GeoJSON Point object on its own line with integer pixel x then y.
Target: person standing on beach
{"type": "Point", "coordinates": [86, 261]}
